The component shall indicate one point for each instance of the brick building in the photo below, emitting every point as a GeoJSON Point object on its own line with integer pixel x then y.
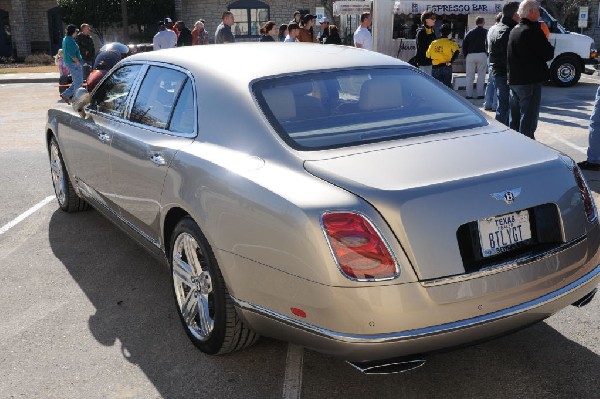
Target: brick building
{"type": "Point", "coordinates": [30, 26]}
{"type": "Point", "coordinates": [34, 26]}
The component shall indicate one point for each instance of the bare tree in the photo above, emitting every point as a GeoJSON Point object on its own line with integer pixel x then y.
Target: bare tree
{"type": "Point", "coordinates": [561, 9]}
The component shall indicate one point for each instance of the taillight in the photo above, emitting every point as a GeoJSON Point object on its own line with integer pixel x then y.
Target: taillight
{"type": "Point", "coordinates": [586, 195]}
{"type": "Point", "coordinates": [358, 248]}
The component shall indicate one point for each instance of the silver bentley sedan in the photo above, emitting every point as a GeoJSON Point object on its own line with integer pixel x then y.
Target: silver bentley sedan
{"type": "Point", "coordinates": [327, 196]}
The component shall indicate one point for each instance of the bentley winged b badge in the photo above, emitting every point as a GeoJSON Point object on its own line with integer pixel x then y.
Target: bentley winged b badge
{"type": "Point", "coordinates": [507, 196]}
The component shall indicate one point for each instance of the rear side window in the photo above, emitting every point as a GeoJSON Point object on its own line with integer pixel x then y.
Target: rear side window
{"type": "Point", "coordinates": [351, 107]}
{"type": "Point", "coordinates": [183, 116]}
{"type": "Point", "coordinates": [111, 97]}
{"type": "Point", "coordinates": [156, 98]}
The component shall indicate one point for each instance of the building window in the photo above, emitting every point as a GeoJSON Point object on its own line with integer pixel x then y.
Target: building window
{"type": "Point", "coordinates": [249, 16]}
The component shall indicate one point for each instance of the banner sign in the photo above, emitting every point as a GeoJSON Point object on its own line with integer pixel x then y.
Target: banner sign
{"type": "Point", "coordinates": [448, 7]}
{"type": "Point", "coordinates": [351, 7]}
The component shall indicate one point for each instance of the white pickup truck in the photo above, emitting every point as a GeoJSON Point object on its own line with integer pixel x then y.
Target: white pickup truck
{"type": "Point", "coordinates": [572, 52]}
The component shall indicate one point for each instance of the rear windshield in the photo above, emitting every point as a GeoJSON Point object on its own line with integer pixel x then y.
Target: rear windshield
{"type": "Point", "coordinates": [350, 107]}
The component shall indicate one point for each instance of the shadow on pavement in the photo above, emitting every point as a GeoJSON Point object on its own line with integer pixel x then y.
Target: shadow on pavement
{"type": "Point", "coordinates": [533, 363]}
{"type": "Point", "coordinates": [131, 293]}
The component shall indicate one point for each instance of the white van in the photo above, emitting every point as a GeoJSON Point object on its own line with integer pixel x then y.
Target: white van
{"type": "Point", "coordinates": [572, 52]}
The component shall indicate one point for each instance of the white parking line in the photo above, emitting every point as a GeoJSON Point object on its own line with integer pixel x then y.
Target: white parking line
{"type": "Point", "coordinates": [582, 150]}
{"type": "Point", "coordinates": [292, 382]}
{"type": "Point", "coordinates": [25, 214]}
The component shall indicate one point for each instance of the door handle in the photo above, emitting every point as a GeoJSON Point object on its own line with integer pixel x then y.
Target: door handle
{"type": "Point", "coordinates": [158, 160]}
{"type": "Point", "coordinates": [104, 137]}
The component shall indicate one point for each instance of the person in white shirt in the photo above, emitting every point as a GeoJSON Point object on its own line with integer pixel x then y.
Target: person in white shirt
{"type": "Point", "coordinates": [165, 38]}
{"type": "Point", "coordinates": [362, 35]}
{"type": "Point", "coordinates": [293, 31]}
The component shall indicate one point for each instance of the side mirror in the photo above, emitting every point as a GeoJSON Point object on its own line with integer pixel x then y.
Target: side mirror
{"type": "Point", "coordinates": [80, 100]}
{"type": "Point", "coordinates": [552, 26]}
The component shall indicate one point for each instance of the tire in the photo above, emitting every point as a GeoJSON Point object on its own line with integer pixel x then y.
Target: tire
{"type": "Point", "coordinates": [565, 71]}
{"type": "Point", "coordinates": [198, 284]}
{"type": "Point", "coordinates": [68, 200]}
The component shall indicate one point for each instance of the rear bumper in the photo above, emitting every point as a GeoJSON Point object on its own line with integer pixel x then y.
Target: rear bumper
{"type": "Point", "coordinates": [354, 347]}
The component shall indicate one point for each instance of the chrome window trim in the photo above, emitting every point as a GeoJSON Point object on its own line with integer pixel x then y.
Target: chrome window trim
{"type": "Point", "coordinates": [503, 267]}
{"type": "Point", "coordinates": [134, 92]}
{"type": "Point", "coordinates": [129, 95]}
{"type": "Point", "coordinates": [387, 245]}
{"type": "Point", "coordinates": [409, 335]}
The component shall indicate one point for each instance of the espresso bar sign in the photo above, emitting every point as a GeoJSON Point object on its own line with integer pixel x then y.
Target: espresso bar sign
{"type": "Point", "coordinates": [448, 7]}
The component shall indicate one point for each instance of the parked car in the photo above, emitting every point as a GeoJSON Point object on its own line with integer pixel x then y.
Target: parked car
{"type": "Point", "coordinates": [328, 196]}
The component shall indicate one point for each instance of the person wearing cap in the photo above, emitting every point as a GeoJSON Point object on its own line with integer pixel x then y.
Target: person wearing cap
{"type": "Point", "coordinates": [307, 33]}
{"type": "Point", "coordinates": [362, 35]}
{"type": "Point", "coordinates": [165, 38]}
{"type": "Point", "coordinates": [223, 33]}
{"type": "Point", "coordinates": [170, 25]}
{"type": "Point", "coordinates": [324, 22]}
{"type": "Point", "coordinates": [73, 61]}
{"type": "Point", "coordinates": [297, 18]}
{"type": "Point", "coordinates": [443, 52]}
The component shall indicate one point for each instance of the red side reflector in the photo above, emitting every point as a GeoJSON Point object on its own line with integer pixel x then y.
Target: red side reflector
{"type": "Point", "coordinates": [298, 312]}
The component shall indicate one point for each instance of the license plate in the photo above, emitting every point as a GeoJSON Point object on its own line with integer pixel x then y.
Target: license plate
{"type": "Point", "coordinates": [499, 234]}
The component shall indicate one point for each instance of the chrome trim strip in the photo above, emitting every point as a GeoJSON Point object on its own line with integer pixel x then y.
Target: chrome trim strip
{"type": "Point", "coordinates": [503, 267]}
{"type": "Point", "coordinates": [420, 332]}
{"type": "Point", "coordinates": [133, 227]}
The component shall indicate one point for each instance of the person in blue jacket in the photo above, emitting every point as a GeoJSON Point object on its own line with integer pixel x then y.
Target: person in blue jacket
{"type": "Point", "coordinates": [73, 61]}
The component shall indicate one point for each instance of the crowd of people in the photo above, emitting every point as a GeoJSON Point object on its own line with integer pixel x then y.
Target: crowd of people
{"type": "Point", "coordinates": [514, 51]}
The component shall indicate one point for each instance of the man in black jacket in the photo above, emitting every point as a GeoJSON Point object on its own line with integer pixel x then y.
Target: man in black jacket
{"type": "Point", "coordinates": [86, 44]}
{"type": "Point", "coordinates": [476, 57]}
{"type": "Point", "coordinates": [425, 36]}
{"type": "Point", "coordinates": [528, 52]}
{"type": "Point", "coordinates": [497, 44]}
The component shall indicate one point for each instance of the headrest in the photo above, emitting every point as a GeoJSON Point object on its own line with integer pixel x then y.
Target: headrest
{"type": "Point", "coordinates": [380, 93]}
{"type": "Point", "coordinates": [281, 103]}
{"type": "Point", "coordinates": [301, 89]}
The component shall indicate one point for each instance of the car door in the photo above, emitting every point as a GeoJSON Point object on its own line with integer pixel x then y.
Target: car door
{"type": "Point", "coordinates": [162, 119]}
{"type": "Point", "coordinates": [89, 140]}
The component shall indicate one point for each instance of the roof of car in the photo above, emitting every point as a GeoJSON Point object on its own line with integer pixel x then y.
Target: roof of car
{"type": "Point", "coordinates": [248, 61]}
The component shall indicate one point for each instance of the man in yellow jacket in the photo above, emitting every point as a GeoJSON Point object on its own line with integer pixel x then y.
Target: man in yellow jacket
{"type": "Point", "coordinates": [443, 52]}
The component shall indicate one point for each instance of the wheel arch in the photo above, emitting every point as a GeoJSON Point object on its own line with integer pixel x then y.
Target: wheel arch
{"type": "Point", "coordinates": [172, 217]}
{"type": "Point", "coordinates": [569, 55]}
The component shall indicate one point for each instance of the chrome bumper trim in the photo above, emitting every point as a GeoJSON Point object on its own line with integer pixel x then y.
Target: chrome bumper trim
{"type": "Point", "coordinates": [421, 332]}
{"type": "Point", "coordinates": [502, 267]}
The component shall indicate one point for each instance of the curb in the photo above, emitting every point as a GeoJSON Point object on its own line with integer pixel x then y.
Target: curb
{"type": "Point", "coordinates": [28, 80]}
{"type": "Point", "coordinates": [33, 77]}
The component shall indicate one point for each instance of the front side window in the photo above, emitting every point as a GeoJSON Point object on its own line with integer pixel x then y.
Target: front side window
{"type": "Point", "coordinates": [249, 16]}
{"type": "Point", "coordinates": [111, 97]}
{"type": "Point", "coordinates": [156, 98]}
{"type": "Point", "coordinates": [351, 107]}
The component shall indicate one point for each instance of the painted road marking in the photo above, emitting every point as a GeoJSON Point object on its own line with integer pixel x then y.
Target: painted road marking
{"type": "Point", "coordinates": [582, 150]}
{"type": "Point", "coordinates": [292, 382]}
{"type": "Point", "coordinates": [25, 214]}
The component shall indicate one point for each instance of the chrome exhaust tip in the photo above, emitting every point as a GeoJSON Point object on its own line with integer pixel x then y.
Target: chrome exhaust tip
{"type": "Point", "coordinates": [390, 366]}
{"type": "Point", "coordinates": [586, 299]}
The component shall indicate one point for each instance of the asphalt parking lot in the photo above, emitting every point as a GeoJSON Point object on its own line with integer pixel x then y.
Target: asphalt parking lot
{"type": "Point", "coordinates": [87, 313]}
